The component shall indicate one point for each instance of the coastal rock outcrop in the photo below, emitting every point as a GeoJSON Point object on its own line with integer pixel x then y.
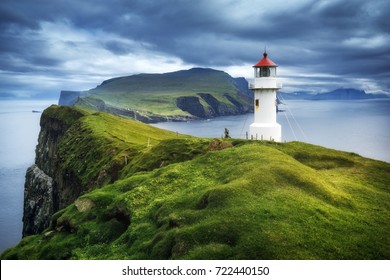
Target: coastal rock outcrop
{"type": "Point", "coordinates": [38, 201]}
{"type": "Point", "coordinates": [192, 105]}
{"type": "Point", "coordinates": [73, 156]}
{"type": "Point", "coordinates": [69, 98]}
{"type": "Point", "coordinates": [205, 105]}
{"type": "Point", "coordinates": [44, 178]}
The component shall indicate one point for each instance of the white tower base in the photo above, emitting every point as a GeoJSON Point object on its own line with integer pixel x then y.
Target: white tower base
{"type": "Point", "coordinates": [266, 131]}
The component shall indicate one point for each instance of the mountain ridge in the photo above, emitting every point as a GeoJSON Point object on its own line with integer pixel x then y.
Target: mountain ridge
{"type": "Point", "coordinates": [337, 94]}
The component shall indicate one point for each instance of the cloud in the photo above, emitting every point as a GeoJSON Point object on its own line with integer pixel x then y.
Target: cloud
{"type": "Point", "coordinates": [64, 40]}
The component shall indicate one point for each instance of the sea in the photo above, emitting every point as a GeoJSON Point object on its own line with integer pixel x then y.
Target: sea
{"type": "Point", "coordinates": [19, 128]}
{"type": "Point", "coordinates": [359, 126]}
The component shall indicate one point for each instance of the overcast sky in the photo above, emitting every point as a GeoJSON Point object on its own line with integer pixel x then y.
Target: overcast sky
{"type": "Point", "coordinates": [52, 45]}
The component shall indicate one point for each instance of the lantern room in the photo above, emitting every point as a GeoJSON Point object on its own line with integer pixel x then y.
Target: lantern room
{"type": "Point", "coordinates": [265, 67]}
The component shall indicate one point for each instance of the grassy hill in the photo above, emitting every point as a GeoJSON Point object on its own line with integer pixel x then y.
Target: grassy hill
{"type": "Point", "coordinates": [194, 93]}
{"type": "Point", "coordinates": [181, 197]}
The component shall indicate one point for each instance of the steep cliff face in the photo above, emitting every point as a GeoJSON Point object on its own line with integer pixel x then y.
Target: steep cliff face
{"type": "Point", "coordinates": [77, 152]}
{"type": "Point", "coordinates": [69, 98]}
{"type": "Point", "coordinates": [39, 201]}
{"type": "Point", "coordinates": [205, 105]}
{"type": "Point", "coordinates": [42, 178]}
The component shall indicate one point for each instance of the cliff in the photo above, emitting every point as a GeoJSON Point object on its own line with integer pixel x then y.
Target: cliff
{"type": "Point", "coordinates": [69, 98]}
{"type": "Point", "coordinates": [45, 179]}
{"type": "Point", "coordinates": [104, 187]}
{"type": "Point", "coordinates": [197, 93]}
{"type": "Point", "coordinates": [72, 157]}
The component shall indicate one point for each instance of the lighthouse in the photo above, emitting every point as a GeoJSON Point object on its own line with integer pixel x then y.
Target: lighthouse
{"type": "Point", "coordinates": [264, 88]}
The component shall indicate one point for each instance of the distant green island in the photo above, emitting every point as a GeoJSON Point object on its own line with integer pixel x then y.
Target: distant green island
{"type": "Point", "coordinates": [106, 187]}
{"type": "Point", "coordinates": [197, 93]}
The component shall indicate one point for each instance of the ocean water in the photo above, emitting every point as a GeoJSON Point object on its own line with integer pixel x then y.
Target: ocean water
{"type": "Point", "coordinates": [19, 128]}
{"type": "Point", "coordinates": [361, 126]}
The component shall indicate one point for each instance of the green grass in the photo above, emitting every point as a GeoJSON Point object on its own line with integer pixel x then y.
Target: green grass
{"type": "Point", "coordinates": [191, 198]}
{"type": "Point", "coordinates": [101, 141]}
{"type": "Point", "coordinates": [157, 93]}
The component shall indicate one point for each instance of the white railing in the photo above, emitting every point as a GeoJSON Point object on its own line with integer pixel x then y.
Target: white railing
{"type": "Point", "coordinates": [264, 83]}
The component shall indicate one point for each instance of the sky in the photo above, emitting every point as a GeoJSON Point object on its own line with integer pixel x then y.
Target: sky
{"type": "Point", "coordinates": [319, 45]}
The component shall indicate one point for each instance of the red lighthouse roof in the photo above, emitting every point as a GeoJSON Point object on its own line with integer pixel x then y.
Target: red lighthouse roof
{"type": "Point", "coordinates": [265, 62]}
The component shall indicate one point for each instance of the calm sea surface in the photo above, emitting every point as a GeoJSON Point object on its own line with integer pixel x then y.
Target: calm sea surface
{"type": "Point", "coordinates": [19, 134]}
{"type": "Point", "coordinates": [360, 126]}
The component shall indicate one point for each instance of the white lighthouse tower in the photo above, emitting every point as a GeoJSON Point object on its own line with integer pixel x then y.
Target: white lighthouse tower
{"type": "Point", "coordinates": [264, 88]}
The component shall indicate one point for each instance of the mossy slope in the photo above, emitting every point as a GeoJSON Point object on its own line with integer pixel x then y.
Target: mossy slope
{"type": "Point", "coordinates": [190, 198]}
{"type": "Point", "coordinates": [100, 143]}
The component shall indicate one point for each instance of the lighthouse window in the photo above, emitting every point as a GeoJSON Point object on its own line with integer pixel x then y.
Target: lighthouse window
{"type": "Point", "coordinates": [257, 104]}
{"type": "Point", "coordinates": [265, 72]}
{"type": "Point", "coordinates": [257, 72]}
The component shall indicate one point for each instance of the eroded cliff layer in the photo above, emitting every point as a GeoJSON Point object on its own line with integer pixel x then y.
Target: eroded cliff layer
{"type": "Point", "coordinates": [39, 201]}
{"type": "Point", "coordinates": [44, 178]}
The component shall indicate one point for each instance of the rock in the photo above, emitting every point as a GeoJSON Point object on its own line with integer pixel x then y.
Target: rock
{"type": "Point", "coordinates": [49, 234]}
{"type": "Point", "coordinates": [69, 98]}
{"type": "Point", "coordinates": [48, 188]}
{"type": "Point", "coordinates": [217, 144]}
{"type": "Point", "coordinates": [103, 178]}
{"type": "Point", "coordinates": [192, 105]}
{"type": "Point", "coordinates": [84, 204]}
{"type": "Point", "coordinates": [214, 108]}
{"type": "Point", "coordinates": [38, 201]}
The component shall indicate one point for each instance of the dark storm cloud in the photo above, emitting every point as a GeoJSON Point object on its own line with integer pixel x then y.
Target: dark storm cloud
{"type": "Point", "coordinates": [348, 39]}
{"type": "Point", "coordinates": [24, 53]}
{"type": "Point", "coordinates": [117, 47]}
